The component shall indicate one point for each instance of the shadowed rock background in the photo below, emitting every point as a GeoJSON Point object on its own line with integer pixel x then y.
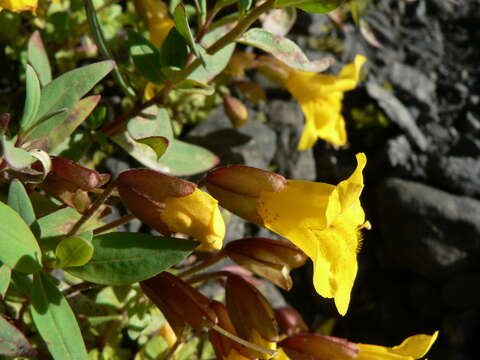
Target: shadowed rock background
{"type": "Point", "coordinates": [417, 116]}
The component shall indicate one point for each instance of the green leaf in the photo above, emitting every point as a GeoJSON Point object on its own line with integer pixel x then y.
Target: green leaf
{"type": "Point", "coordinates": [12, 342]}
{"type": "Point", "coordinates": [55, 320]}
{"type": "Point", "coordinates": [216, 63]}
{"type": "Point", "coordinates": [123, 258]}
{"type": "Point", "coordinates": [284, 50]}
{"type": "Point", "coordinates": [18, 247]}
{"type": "Point", "coordinates": [147, 139]}
{"type": "Point", "coordinates": [174, 50]}
{"type": "Point", "coordinates": [53, 137]}
{"type": "Point", "coordinates": [323, 6]}
{"type": "Point", "coordinates": [32, 102]}
{"type": "Point", "coordinates": [5, 275]}
{"type": "Point", "coordinates": [182, 159]}
{"type": "Point", "coordinates": [37, 57]}
{"type": "Point", "coordinates": [19, 201]}
{"type": "Point", "coordinates": [73, 251]}
{"type": "Point", "coordinates": [16, 157]}
{"type": "Point", "coordinates": [63, 93]}
{"type": "Point", "coordinates": [181, 24]}
{"type": "Point", "coordinates": [146, 57]}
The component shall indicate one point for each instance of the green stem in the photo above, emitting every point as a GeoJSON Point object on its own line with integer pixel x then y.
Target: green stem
{"type": "Point", "coordinates": [231, 36]}
{"type": "Point", "coordinates": [203, 265]}
{"type": "Point", "coordinates": [97, 33]}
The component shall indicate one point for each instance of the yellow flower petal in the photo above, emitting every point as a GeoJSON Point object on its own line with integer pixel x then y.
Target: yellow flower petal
{"type": "Point", "coordinates": [19, 5]}
{"type": "Point", "coordinates": [412, 348]}
{"type": "Point", "coordinates": [320, 97]}
{"type": "Point", "coordinates": [155, 15]}
{"type": "Point", "coordinates": [324, 222]}
{"type": "Point", "coordinates": [197, 215]}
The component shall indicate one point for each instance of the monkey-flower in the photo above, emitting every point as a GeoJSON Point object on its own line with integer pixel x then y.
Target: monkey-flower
{"type": "Point", "coordinates": [321, 219]}
{"type": "Point", "coordinates": [19, 5]}
{"type": "Point", "coordinates": [319, 95]}
{"type": "Point", "coordinates": [171, 205]}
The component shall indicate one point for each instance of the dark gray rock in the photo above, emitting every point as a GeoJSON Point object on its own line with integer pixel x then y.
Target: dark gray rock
{"type": "Point", "coordinates": [462, 291]}
{"type": "Point", "coordinates": [253, 144]}
{"type": "Point", "coordinates": [287, 119]}
{"type": "Point", "coordinates": [460, 328]}
{"type": "Point", "coordinates": [457, 174]}
{"type": "Point", "coordinates": [427, 231]}
{"type": "Point", "coordinates": [413, 81]}
{"type": "Point", "coordinates": [403, 161]}
{"type": "Point", "coordinates": [398, 114]}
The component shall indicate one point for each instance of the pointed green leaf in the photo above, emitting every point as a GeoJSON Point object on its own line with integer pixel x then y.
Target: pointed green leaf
{"type": "Point", "coordinates": [63, 93]}
{"type": "Point", "coordinates": [323, 6]}
{"type": "Point", "coordinates": [55, 320]}
{"type": "Point", "coordinates": [37, 57]}
{"type": "Point", "coordinates": [146, 57]}
{"type": "Point", "coordinates": [73, 251]}
{"type": "Point", "coordinates": [12, 342]}
{"type": "Point", "coordinates": [124, 258]}
{"type": "Point", "coordinates": [5, 275]}
{"type": "Point", "coordinates": [181, 24]}
{"type": "Point", "coordinates": [158, 144]}
{"type": "Point", "coordinates": [16, 157]}
{"type": "Point", "coordinates": [284, 50]}
{"type": "Point", "coordinates": [173, 51]}
{"type": "Point", "coordinates": [19, 201]}
{"type": "Point", "coordinates": [18, 247]}
{"type": "Point", "coordinates": [53, 137]}
{"type": "Point", "coordinates": [216, 63]}
{"type": "Point", "coordinates": [32, 101]}
{"type": "Point", "coordinates": [182, 159]}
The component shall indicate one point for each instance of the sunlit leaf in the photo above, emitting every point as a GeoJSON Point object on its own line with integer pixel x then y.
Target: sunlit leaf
{"type": "Point", "coordinates": [37, 57]}
{"type": "Point", "coordinates": [32, 102]}
{"type": "Point", "coordinates": [12, 342]}
{"type": "Point", "coordinates": [284, 50]}
{"type": "Point", "coordinates": [19, 201]}
{"type": "Point", "coordinates": [55, 320]}
{"type": "Point", "coordinates": [73, 251]}
{"type": "Point", "coordinates": [124, 258]}
{"type": "Point", "coordinates": [18, 247]}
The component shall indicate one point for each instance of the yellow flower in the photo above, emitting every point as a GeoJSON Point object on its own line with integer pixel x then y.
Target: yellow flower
{"type": "Point", "coordinates": [414, 347]}
{"type": "Point", "coordinates": [322, 220]}
{"type": "Point", "coordinates": [197, 215]}
{"type": "Point", "coordinates": [320, 96]}
{"type": "Point", "coordinates": [172, 205]}
{"type": "Point", "coordinates": [155, 15]}
{"type": "Point", "coordinates": [19, 5]}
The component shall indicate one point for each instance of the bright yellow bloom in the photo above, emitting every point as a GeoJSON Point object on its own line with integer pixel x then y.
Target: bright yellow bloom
{"type": "Point", "coordinates": [320, 96]}
{"type": "Point", "coordinates": [155, 15]}
{"type": "Point", "coordinates": [19, 5]}
{"type": "Point", "coordinates": [197, 215]}
{"type": "Point", "coordinates": [324, 221]}
{"type": "Point", "coordinates": [414, 347]}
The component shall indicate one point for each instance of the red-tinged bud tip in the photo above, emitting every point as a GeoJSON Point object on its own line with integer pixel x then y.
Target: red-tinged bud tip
{"type": "Point", "coordinates": [290, 321]}
{"type": "Point", "coordinates": [236, 111]}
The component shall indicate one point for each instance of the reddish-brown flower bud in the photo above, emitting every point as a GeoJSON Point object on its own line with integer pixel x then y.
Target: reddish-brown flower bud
{"type": "Point", "coordinates": [222, 345]}
{"type": "Point", "coordinates": [236, 111]}
{"type": "Point", "coordinates": [69, 182]}
{"type": "Point", "coordinates": [169, 204]}
{"type": "Point", "coordinates": [238, 187]}
{"type": "Point", "coordinates": [179, 302]}
{"type": "Point", "coordinates": [290, 321]}
{"type": "Point", "coordinates": [318, 347]}
{"type": "Point", "coordinates": [250, 313]}
{"type": "Point", "coordinates": [272, 259]}
{"type": "Point", "coordinates": [251, 90]}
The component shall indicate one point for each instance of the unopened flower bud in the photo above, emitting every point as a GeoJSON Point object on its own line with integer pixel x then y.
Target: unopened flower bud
{"type": "Point", "coordinates": [290, 321]}
{"type": "Point", "coordinates": [271, 259]}
{"type": "Point", "coordinates": [318, 347]}
{"type": "Point", "coordinates": [250, 313]}
{"type": "Point", "coordinates": [236, 111]}
{"type": "Point", "coordinates": [69, 182]}
{"type": "Point", "coordinates": [238, 188]}
{"type": "Point", "coordinates": [169, 204]}
{"type": "Point", "coordinates": [179, 302]}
